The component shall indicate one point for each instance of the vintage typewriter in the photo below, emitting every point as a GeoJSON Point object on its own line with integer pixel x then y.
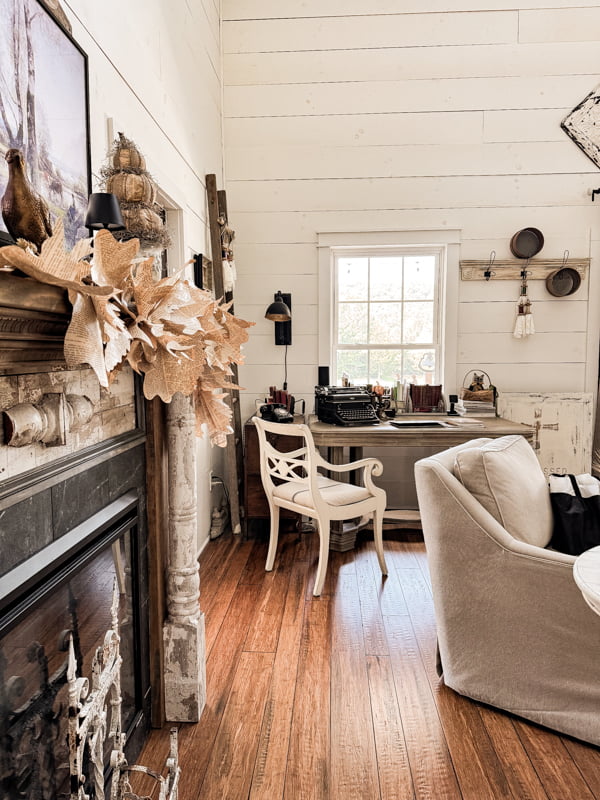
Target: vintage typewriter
{"type": "Point", "coordinates": [339, 405]}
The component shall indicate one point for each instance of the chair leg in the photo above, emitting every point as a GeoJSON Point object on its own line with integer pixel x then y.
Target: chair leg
{"type": "Point", "coordinates": [273, 537]}
{"type": "Point", "coordinates": [324, 528]}
{"type": "Point", "coordinates": [378, 537]}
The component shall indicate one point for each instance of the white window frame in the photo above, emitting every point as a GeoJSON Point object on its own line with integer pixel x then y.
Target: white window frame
{"type": "Point", "coordinates": [446, 243]}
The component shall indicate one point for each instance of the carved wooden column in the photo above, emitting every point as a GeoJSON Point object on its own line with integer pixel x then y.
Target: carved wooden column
{"type": "Point", "coordinates": [183, 631]}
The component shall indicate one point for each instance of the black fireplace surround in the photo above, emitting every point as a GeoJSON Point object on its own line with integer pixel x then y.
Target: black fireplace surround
{"type": "Point", "coordinates": [68, 532]}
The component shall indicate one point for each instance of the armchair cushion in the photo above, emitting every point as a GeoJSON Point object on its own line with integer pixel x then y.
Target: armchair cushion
{"type": "Point", "coordinates": [505, 476]}
{"type": "Point", "coordinates": [333, 492]}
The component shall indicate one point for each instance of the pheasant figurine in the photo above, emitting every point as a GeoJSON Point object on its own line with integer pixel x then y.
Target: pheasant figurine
{"type": "Point", "coordinates": [24, 211]}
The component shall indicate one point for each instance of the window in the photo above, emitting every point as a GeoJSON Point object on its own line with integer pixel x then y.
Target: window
{"type": "Point", "coordinates": [387, 322]}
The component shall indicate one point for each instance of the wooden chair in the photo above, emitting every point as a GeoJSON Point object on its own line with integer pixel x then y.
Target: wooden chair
{"type": "Point", "coordinates": [291, 480]}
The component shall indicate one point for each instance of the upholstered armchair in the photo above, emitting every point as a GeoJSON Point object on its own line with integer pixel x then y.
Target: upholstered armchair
{"type": "Point", "coordinates": [513, 628]}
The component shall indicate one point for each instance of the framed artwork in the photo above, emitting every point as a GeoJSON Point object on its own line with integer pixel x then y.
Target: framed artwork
{"type": "Point", "coordinates": [582, 125]}
{"type": "Point", "coordinates": [44, 111]}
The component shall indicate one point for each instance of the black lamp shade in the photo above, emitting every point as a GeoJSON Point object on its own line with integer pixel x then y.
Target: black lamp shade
{"type": "Point", "coordinates": [278, 311]}
{"type": "Point", "coordinates": [103, 211]}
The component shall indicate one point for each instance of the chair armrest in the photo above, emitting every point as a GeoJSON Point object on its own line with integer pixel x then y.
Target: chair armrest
{"type": "Point", "coordinates": [373, 465]}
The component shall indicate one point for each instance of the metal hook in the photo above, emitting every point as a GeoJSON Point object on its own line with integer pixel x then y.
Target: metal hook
{"type": "Point", "coordinates": [488, 271]}
{"type": "Point", "coordinates": [565, 259]}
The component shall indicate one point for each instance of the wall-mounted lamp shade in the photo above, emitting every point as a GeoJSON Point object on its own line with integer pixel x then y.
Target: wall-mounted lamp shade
{"type": "Point", "coordinates": [103, 211]}
{"type": "Point", "coordinates": [278, 311]}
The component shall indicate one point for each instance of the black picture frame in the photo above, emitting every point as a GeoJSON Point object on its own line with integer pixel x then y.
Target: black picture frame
{"type": "Point", "coordinates": [44, 111]}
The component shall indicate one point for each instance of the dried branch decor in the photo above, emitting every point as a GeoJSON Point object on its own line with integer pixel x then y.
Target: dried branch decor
{"type": "Point", "coordinates": [174, 334]}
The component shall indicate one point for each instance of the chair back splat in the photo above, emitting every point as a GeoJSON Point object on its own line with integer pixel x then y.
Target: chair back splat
{"type": "Point", "coordinates": [292, 480]}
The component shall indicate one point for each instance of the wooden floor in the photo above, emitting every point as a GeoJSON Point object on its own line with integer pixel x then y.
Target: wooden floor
{"type": "Point", "coordinates": [337, 697]}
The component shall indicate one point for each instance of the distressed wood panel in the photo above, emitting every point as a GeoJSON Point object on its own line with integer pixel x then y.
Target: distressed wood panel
{"type": "Point", "coordinates": [435, 160]}
{"type": "Point", "coordinates": [428, 193]}
{"type": "Point", "coordinates": [560, 25]}
{"type": "Point", "coordinates": [114, 413]}
{"type": "Point", "coordinates": [281, 9]}
{"type": "Point", "coordinates": [382, 97]}
{"type": "Point", "coordinates": [416, 63]}
{"type": "Point", "coordinates": [563, 424]}
{"type": "Point", "coordinates": [339, 32]}
{"type": "Point", "coordinates": [511, 269]}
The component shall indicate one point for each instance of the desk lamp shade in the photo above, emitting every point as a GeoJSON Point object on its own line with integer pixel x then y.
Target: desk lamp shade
{"type": "Point", "coordinates": [278, 311]}
{"type": "Point", "coordinates": [103, 211]}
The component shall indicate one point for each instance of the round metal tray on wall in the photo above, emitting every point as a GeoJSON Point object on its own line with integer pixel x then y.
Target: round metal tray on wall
{"type": "Point", "coordinates": [563, 282]}
{"type": "Point", "coordinates": [526, 243]}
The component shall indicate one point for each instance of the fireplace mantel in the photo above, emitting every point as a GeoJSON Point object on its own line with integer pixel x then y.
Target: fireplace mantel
{"type": "Point", "coordinates": [33, 320]}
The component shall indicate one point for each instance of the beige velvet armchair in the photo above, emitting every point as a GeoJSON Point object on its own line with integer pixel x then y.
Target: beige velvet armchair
{"type": "Point", "coordinates": [513, 628]}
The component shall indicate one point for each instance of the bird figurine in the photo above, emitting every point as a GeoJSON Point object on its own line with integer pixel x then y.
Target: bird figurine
{"type": "Point", "coordinates": [24, 211]}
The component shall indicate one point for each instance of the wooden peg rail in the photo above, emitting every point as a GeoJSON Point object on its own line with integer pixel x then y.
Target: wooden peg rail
{"type": "Point", "coordinates": [510, 269]}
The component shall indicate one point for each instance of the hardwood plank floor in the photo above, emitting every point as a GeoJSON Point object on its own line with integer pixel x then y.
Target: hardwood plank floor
{"type": "Point", "coordinates": [337, 698]}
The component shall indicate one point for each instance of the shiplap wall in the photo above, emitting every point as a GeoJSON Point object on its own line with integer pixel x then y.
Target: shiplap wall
{"type": "Point", "coordinates": [155, 72]}
{"type": "Point", "coordinates": [345, 116]}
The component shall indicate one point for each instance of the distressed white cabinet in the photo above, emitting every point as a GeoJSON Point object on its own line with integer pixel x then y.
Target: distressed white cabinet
{"type": "Point", "coordinates": [563, 427]}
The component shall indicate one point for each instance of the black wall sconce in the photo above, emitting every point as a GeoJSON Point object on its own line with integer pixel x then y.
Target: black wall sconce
{"type": "Point", "coordinates": [280, 313]}
{"type": "Point", "coordinates": [103, 211]}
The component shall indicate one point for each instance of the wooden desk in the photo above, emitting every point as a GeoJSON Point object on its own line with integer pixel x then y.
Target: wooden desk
{"type": "Point", "coordinates": [586, 572]}
{"type": "Point", "coordinates": [337, 437]}
{"type": "Point", "coordinates": [385, 434]}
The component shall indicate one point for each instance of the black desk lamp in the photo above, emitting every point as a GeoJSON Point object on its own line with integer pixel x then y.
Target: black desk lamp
{"type": "Point", "coordinates": [279, 312]}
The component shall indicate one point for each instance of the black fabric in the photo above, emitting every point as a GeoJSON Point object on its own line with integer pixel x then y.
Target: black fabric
{"type": "Point", "coordinates": [576, 521]}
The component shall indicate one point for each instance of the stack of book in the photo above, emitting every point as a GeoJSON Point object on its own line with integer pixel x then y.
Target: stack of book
{"type": "Point", "coordinates": [479, 408]}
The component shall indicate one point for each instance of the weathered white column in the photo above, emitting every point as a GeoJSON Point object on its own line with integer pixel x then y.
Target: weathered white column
{"type": "Point", "coordinates": [183, 631]}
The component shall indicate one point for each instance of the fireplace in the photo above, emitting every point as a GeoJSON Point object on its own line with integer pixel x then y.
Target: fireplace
{"type": "Point", "coordinates": [67, 588]}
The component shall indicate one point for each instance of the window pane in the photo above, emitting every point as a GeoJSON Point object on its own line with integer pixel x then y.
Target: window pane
{"type": "Point", "coordinates": [419, 277]}
{"type": "Point", "coordinates": [386, 323]}
{"type": "Point", "coordinates": [352, 323]}
{"type": "Point", "coordinates": [386, 367]}
{"type": "Point", "coordinates": [354, 364]}
{"type": "Point", "coordinates": [386, 278]}
{"type": "Point", "coordinates": [418, 322]}
{"type": "Point", "coordinates": [419, 366]}
{"type": "Point", "coordinates": [353, 278]}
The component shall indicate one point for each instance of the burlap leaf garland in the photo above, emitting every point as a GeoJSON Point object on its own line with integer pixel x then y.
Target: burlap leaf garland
{"type": "Point", "coordinates": [168, 330]}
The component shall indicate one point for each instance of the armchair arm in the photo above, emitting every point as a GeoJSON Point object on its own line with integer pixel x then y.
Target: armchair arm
{"type": "Point", "coordinates": [371, 467]}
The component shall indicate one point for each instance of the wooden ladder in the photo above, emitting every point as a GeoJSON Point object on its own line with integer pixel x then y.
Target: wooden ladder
{"type": "Point", "coordinates": [234, 457]}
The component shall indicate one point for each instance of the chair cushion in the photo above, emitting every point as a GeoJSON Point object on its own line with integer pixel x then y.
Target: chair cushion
{"type": "Point", "coordinates": [505, 476]}
{"type": "Point", "coordinates": [333, 492]}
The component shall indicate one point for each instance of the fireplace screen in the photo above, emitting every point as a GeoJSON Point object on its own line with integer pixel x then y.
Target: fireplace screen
{"type": "Point", "coordinates": [73, 597]}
